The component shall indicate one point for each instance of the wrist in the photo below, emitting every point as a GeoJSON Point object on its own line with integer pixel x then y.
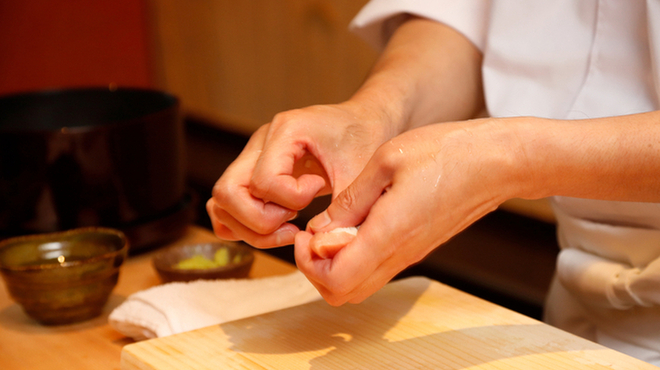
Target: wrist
{"type": "Point", "coordinates": [382, 119]}
{"type": "Point", "coordinates": [515, 146]}
{"type": "Point", "coordinates": [539, 161]}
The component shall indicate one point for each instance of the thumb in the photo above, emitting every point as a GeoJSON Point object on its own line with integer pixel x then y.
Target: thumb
{"type": "Point", "coordinates": [353, 204]}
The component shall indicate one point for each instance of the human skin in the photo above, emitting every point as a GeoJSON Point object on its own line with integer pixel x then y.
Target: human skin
{"type": "Point", "coordinates": [458, 172]}
{"type": "Point", "coordinates": [426, 65]}
{"type": "Point", "coordinates": [414, 182]}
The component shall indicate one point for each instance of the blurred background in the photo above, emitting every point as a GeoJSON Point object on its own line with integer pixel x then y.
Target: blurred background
{"type": "Point", "coordinates": [235, 64]}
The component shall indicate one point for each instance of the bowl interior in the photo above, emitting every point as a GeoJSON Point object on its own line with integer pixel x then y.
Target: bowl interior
{"type": "Point", "coordinates": [239, 261]}
{"type": "Point", "coordinates": [60, 249]}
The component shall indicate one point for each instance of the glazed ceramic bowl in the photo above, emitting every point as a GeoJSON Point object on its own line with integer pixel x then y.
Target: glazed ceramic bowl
{"type": "Point", "coordinates": [238, 256]}
{"type": "Point", "coordinates": [64, 277]}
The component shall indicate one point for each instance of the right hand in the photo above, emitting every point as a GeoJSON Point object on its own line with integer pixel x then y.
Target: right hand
{"type": "Point", "coordinates": [417, 191]}
{"type": "Point", "coordinates": [301, 154]}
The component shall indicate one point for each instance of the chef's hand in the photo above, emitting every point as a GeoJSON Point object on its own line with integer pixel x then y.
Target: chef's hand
{"type": "Point", "coordinates": [427, 73]}
{"type": "Point", "coordinates": [417, 191]}
{"type": "Point", "coordinates": [299, 155]}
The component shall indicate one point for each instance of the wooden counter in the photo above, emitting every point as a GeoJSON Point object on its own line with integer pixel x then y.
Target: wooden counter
{"type": "Point", "coordinates": [25, 344]}
{"type": "Point", "coordinates": [413, 323]}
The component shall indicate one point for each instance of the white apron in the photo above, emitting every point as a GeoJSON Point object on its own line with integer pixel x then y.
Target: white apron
{"type": "Point", "coordinates": [568, 59]}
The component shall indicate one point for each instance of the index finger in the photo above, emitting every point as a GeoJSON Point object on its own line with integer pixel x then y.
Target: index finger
{"type": "Point", "coordinates": [287, 174]}
{"type": "Point", "coordinates": [231, 192]}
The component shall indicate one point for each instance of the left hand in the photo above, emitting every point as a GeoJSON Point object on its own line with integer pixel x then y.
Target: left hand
{"type": "Point", "coordinates": [302, 153]}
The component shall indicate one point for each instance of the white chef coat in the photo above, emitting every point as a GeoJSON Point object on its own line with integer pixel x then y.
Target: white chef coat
{"type": "Point", "coordinates": [571, 59]}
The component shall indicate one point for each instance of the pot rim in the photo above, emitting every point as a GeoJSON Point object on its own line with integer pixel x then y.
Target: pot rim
{"type": "Point", "coordinates": [172, 105]}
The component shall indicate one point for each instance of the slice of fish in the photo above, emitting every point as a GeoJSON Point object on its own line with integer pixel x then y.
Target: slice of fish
{"type": "Point", "coordinates": [327, 244]}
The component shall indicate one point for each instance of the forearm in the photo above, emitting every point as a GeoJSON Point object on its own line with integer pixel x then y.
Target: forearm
{"type": "Point", "coordinates": [613, 158]}
{"type": "Point", "coordinates": [428, 73]}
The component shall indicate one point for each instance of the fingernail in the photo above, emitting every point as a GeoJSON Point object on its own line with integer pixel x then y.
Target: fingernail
{"type": "Point", "coordinates": [284, 237]}
{"type": "Point", "coordinates": [320, 221]}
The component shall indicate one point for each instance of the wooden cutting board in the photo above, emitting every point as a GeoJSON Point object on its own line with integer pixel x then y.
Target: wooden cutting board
{"type": "Point", "coordinates": [413, 323]}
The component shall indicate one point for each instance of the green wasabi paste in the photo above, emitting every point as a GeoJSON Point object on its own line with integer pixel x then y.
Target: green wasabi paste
{"type": "Point", "coordinates": [201, 262]}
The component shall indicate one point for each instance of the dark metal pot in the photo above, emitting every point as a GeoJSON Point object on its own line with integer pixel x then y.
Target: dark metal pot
{"type": "Point", "coordinates": [92, 157]}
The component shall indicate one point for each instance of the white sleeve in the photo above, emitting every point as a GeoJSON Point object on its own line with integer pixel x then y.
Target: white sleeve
{"type": "Point", "coordinates": [379, 18]}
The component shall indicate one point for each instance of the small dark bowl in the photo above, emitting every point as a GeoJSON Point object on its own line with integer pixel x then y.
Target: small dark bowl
{"type": "Point", "coordinates": [64, 277]}
{"type": "Point", "coordinates": [165, 262]}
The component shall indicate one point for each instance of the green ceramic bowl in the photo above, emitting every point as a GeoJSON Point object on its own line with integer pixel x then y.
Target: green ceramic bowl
{"type": "Point", "coordinates": [63, 277]}
{"type": "Point", "coordinates": [240, 258]}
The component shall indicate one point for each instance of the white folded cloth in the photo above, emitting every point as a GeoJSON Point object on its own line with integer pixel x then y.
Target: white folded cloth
{"type": "Point", "coordinates": [177, 307]}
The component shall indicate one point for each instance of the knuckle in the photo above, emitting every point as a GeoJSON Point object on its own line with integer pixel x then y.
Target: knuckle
{"type": "Point", "coordinates": [264, 228]}
{"type": "Point", "coordinates": [297, 202]}
{"type": "Point", "coordinates": [282, 119]}
{"type": "Point", "coordinates": [221, 192]}
{"type": "Point", "coordinates": [222, 232]}
{"type": "Point", "coordinates": [210, 203]}
{"type": "Point", "coordinates": [334, 301]}
{"type": "Point", "coordinates": [260, 188]}
{"type": "Point", "coordinates": [347, 199]}
{"type": "Point", "coordinates": [388, 157]}
{"type": "Point", "coordinates": [259, 244]}
{"type": "Point", "coordinates": [338, 292]}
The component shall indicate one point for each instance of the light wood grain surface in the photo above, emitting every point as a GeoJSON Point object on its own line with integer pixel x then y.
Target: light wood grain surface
{"type": "Point", "coordinates": [238, 63]}
{"type": "Point", "coordinates": [25, 344]}
{"type": "Point", "coordinates": [413, 323]}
